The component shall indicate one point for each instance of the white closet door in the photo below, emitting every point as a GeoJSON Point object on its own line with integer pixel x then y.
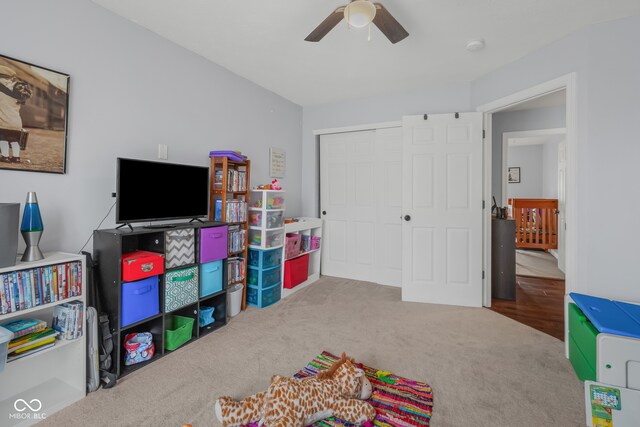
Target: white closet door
{"type": "Point", "coordinates": [442, 208]}
{"type": "Point", "coordinates": [389, 191]}
{"type": "Point", "coordinates": [348, 203]}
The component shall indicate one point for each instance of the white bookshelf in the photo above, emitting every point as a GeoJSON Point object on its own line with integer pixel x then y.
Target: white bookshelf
{"type": "Point", "coordinates": [55, 376]}
{"type": "Point", "coordinates": [312, 227]}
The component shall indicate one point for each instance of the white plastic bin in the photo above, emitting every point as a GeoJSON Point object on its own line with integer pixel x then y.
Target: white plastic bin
{"type": "Point", "coordinates": [5, 336]}
{"type": "Point", "coordinates": [234, 299]}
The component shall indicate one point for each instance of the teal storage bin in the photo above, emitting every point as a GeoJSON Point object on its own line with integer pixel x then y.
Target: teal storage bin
{"type": "Point", "coordinates": [263, 297]}
{"type": "Point", "coordinates": [263, 278]}
{"type": "Point", "coordinates": [265, 258]}
{"type": "Point", "coordinates": [210, 278]}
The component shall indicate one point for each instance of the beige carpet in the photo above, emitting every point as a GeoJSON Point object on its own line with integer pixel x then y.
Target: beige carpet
{"type": "Point", "coordinates": [485, 369]}
{"type": "Point", "coordinates": [541, 264]}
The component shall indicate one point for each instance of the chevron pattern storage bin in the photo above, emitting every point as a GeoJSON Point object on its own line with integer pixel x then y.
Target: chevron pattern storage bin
{"type": "Point", "coordinates": [179, 248]}
{"type": "Point", "coordinates": [180, 288]}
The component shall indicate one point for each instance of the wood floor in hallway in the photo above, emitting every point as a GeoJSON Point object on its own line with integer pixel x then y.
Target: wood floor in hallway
{"type": "Point", "coordinates": [539, 303]}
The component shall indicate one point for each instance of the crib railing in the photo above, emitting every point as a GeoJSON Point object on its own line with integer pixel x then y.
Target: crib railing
{"type": "Point", "coordinates": [536, 223]}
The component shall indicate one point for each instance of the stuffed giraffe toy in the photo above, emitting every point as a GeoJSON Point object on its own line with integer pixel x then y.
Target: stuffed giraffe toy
{"type": "Point", "coordinates": [339, 391]}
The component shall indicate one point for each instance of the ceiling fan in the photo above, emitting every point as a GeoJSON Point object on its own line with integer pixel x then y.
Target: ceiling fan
{"type": "Point", "coordinates": [360, 13]}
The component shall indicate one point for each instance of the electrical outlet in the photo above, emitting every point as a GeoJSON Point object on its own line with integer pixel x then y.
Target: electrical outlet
{"type": "Point", "coordinates": [163, 152]}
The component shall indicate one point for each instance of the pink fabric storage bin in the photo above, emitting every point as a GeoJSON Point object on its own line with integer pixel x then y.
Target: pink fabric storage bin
{"type": "Point", "coordinates": [292, 248]}
{"type": "Point", "coordinates": [315, 243]}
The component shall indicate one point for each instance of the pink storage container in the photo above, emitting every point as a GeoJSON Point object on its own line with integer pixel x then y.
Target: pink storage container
{"type": "Point", "coordinates": [292, 248]}
{"type": "Point", "coordinates": [315, 243]}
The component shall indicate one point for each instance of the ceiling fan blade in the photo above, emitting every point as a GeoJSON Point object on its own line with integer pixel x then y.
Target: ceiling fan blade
{"type": "Point", "coordinates": [388, 25]}
{"type": "Point", "coordinates": [326, 25]}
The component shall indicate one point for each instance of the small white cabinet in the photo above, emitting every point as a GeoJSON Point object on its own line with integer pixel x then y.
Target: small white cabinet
{"type": "Point", "coordinates": [309, 227]}
{"type": "Point", "coordinates": [55, 377]}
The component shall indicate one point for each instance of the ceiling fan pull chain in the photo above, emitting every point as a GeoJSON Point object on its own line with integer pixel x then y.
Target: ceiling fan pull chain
{"type": "Point", "coordinates": [369, 38]}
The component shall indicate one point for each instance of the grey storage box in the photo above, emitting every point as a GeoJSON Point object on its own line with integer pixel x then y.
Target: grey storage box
{"type": "Point", "coordinates": [9, 215]}
{"type": "Point", "coordinates": [179, 248]}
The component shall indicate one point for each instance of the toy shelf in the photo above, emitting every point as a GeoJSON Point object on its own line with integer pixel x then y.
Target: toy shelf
{"type": "Point", "coordinates": [310, 227]}
{"type": "Point", "coordinates": [109, 247]}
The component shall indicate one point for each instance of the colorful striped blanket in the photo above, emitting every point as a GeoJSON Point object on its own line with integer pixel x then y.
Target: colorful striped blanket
{"type": "Point", "coordinates": [398, 401]}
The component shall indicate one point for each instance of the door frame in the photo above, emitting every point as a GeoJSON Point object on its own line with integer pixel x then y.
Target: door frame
{"type": "Point", "coordinates": [506, 136]}
{"type": "Point", "coordinates": [568, 83]}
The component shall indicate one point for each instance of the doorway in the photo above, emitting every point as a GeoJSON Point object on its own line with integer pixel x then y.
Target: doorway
{"type": "Point", "coordinates": [531, 154]}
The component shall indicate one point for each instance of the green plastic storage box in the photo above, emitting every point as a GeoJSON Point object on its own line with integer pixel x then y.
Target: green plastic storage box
{"type": "Point", "coordinates": [582, 344]}
{"type": "Point", "coordinates": [177, 331]}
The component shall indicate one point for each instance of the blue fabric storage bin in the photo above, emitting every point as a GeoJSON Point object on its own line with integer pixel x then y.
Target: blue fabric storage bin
{"type": "Point", "coordinates": [140, 300]}
{"type": "Point", "coordinates": [210, 278]}
{"type": "Point", "coordinates": [206, 316]}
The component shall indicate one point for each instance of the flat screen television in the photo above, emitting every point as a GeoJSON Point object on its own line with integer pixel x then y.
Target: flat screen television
{"type": "Point", "coordinates": [156, 191]}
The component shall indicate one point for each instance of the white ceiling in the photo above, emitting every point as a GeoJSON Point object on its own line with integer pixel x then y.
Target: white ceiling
{"type": "Point", "coordinates": [263, 40]}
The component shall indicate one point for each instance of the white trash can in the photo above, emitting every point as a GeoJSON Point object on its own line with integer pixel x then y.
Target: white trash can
{"type": "Point", "coordinates": [5, 336]}
{"type": "Point", "coordinates": [234, 300]}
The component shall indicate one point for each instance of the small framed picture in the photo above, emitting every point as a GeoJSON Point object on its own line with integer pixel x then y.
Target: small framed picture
{"type": "Point", "coordinates": [514, 175]}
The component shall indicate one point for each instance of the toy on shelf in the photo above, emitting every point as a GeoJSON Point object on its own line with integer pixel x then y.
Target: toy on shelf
{"type": "Point", "coordinates": [275, 185]}
{"type": "Point", "coordinates": [139, 348]}
{"type": "Point", "coordinates": [339, 391]}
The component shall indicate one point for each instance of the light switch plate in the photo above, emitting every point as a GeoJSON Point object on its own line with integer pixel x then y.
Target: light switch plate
{"type": "Point", "coordinates": [163, 152]}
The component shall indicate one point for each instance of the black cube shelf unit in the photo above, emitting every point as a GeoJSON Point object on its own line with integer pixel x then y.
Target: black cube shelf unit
{"type": "Point", "coordinates": [108, 248]}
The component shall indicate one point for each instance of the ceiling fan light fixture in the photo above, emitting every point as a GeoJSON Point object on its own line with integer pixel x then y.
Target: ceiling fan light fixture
{"type": "Point", "coordinates": [359, 13]}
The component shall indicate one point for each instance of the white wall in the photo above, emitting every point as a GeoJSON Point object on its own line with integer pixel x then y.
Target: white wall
{"type": "Point", "coordinates": [550, 170]}
{"type": "Point", "coordinates": [607, 65]}
{"type": "Point", "coordinates": [514, 121]}
{"type": "Point", "coordinates": [130, 91]}
{"type": "Point", "coordinates": [529, 159]}
{"type": "Point", "coordinates": [377, 109]}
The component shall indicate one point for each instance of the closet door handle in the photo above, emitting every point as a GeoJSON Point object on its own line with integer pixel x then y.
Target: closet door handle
{"type": "Point", "coordinates": [324, 212]}
{"type": "Point", "coordinates": [407, 217]}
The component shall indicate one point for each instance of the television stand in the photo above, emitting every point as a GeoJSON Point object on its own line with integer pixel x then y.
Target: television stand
{"type": "Point", "coordinates": [154, 226]}
{"type": "Point", "coordinates": [126, 224]}
{"type": "Point", "coordinates": [196, 219]}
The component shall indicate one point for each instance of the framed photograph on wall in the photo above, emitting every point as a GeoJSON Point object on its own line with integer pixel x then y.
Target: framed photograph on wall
{"type": "Point", "coordinates": [514, 176]}
{"type": "Point", "coordinates": [34, 106]}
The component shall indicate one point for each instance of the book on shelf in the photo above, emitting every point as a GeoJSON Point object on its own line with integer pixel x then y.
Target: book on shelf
{"type": "Point", "coordinates": [25, 289]}
{"type": "Point", "coordinates": [236, 211]}
{"type": "Point", "coordinates": [12, 357]}
{"type": "Point", "coordinates": [68, 320]}
{"type": "Point", "coordinates": [236, 269]}
{"type": "Point", "coordinates": [237, 238]}
{"type": "Point", "coordinates": [236, 180]}
{"type": "Point", "coordinates": [30, 336]}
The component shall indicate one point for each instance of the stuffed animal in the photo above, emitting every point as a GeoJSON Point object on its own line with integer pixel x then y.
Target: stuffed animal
{"type": "Point", "coordinates": [339, 391]}
{"type": "Point", "coordinates": [275, 185]}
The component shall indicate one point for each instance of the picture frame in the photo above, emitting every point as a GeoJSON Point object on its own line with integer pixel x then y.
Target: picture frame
{"type": "Point", "coordinates": [513, 175]}
{"type": "Point", "coordinates": [277, 162]}
{"type": "Point", "coordinates": [34, 113]}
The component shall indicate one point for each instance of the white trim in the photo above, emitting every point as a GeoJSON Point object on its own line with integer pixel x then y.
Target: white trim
{"type": "Point", "coordinates": [506, 136]}
{"type": "Point", "coordinates": [567, 82]}
{"type": "Point", "coordinates": [527, 94]}
{"type": "Point", "coordinates": [357, 128]}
